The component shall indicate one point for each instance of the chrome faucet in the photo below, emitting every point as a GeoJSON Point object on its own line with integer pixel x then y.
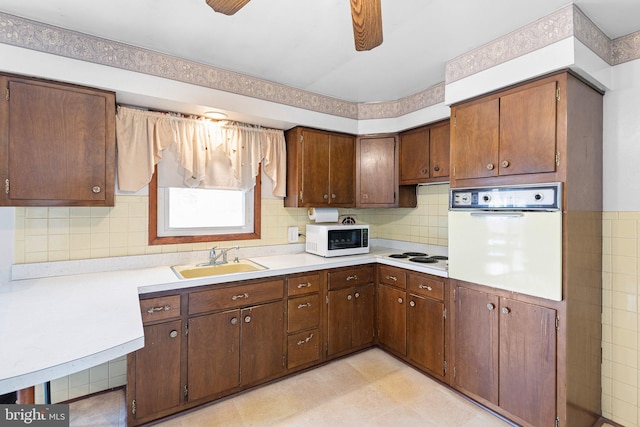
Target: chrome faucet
{"type": "Point", "coordinates": [213, 256]}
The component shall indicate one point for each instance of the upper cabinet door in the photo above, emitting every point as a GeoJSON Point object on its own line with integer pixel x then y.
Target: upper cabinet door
{"type": "Point", "coordinates": [439, 150]}
{"type": "Point", "coordinates": [475, 139]}
{"type": "Point", "coordinates": [341, 168]}
{"type": "Point", "coordinates": [414, 156]}
{"type": "Point", "coordinates": [528, 130]}
{"type": "Point", "coordinates": [315, 168]}
{"type": "Point", "coordinates": [376, 170]}
{"type": "Point", "coordinates": [59, 144]}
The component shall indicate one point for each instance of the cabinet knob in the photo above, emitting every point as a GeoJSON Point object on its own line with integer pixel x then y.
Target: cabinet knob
{"type": "Point", "coordinates": [506, 310]}
{"type": "Point", "coordinates": [399, 300]}
{"type": "Point", "coordinates": [247, 319]}
{"type": "Point", "coordinates": [333, 196]}
{"type": "Point", "coordinates": [490, 306]}
{"type": "Point", "coordinates": [96, 189]}
{"type": "Point", "coordinates": [423, 171]}
{"type": "Point", "coordinates": [357, 295]}
{"type": "Point", "coordinates": [234, 321]}
{"type": "Point", "coordinates": [349, 297]}
{"type": "Point", "coordinates": [436, 168]}
{"type": "Point", "coordinates": [412, 303]}
{"type": "Point", "coordinates": [326, 196]}
{"type": "Point", "coordinates": [173, 333]}
{"type": "Point", "coordinates": [505, 163]}
{"type": "Point", "coordinates": [490, 166]}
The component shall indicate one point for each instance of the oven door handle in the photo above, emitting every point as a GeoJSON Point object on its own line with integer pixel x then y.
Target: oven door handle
{"type": "Point", "coordinates": [498, 214]}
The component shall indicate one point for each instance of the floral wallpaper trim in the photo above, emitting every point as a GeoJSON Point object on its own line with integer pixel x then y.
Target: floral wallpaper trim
{"type": "Point", "coordinates": [543, 32]}
{"type": "Point", "coordinates": [591, 36]}
{"type": "Point", "coordinates": [625, 48]}
{"type": "Point", "coordinates": [376, 110]}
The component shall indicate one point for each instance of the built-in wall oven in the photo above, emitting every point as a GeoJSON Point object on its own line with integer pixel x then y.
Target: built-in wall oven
{"type": "Point", "coordinates": [508, 237]}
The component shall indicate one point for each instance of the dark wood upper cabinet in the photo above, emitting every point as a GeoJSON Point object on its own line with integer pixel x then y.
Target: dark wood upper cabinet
{"type": "Point", "coordinates": [424, 154]}
{"type": "Point", "coordinates": [57, 144]}
{"type": "Point", "coordinates": [320, 168]}
{"type": "Point", "coordinates": [376, 172]}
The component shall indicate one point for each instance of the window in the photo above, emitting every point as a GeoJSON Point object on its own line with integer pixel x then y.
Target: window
{"type": "Point", "coordinates": [192, 215]}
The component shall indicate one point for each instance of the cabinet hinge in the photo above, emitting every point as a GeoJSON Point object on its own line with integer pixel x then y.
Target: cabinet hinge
{"type": "Point", "coordinates": [186, 330]}
{"type": "Point", "coordinates": [444, 313]}
{"type": "Point", "coordinates": [454, 372]}
{"type": "Point", "coordinates": [557, 159]}
{"type": "Point", "coordinates": [6, 94]}
{"type": "Point", "coordinates": [186, 392]}
{"type": "Point", "coordinates": [557, 323]}
{"type": "Point", "coordinates": [455, 121]}
{"type": "Point", "coordinates": [557, 422]}
{"type": "Point", "coordinates": [454, 170]}
{"type": "Point", "coordinates": [454, 294]}
{"type": "Point", "coordinates": [444, 367]}
{"type": "Point", "coordinates": [394, 197]}
{"type": "Point", "coordinates": [326, 298]}
{"type": "Point", "coordinates": [283, 360]}
{"type": "Point", "coordinates": [300, 195]}
{"type": "Point", "coordinates": [301, 138]}
{"type": "Point", "coordinates": [133, 406]}
{"type": "Point", "coordinates": [557, 94]}
{"type": "Point", "coordinates": [6, 185]}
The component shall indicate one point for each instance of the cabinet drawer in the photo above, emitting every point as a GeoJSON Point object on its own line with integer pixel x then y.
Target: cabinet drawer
{"type": "Point", "coordinates": [300, 285]}
{"type": "Point", "coordinates": [428, 287]}
{"type": "Point", "coordinates": [160, 308]}
{"type": "Point", "coordinates": [303, 348]}
{"type": "Point", "coordinates": [350, 277]}
{"type": "Point", "coordinates": [393, 277]}
{"type": "Point", "coordinates": [236, 296]}
{"type": "Point", "coordinates": [303, 313]}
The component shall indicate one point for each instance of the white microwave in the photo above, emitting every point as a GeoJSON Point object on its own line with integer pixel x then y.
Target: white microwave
{"type": "Point", "coordinates": [330, 240]}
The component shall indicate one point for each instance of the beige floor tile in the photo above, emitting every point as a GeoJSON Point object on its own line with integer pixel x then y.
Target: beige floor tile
{"type": "Point", "coordinates": [367, 389]}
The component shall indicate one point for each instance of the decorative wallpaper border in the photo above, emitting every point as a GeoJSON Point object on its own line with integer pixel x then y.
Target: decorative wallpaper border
{"type": "Point", "coordinates": [566, 22]}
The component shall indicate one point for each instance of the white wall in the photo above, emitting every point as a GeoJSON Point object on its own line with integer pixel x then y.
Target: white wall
{"type": "Point", "coordinates": [621, 160]}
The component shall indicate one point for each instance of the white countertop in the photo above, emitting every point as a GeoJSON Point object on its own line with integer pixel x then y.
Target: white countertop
{"type": "Point", "coordinates": [54, 326]}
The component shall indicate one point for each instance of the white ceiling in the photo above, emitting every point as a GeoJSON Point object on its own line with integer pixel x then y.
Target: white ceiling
{"type": "Point", "coordinates": [308, 44]}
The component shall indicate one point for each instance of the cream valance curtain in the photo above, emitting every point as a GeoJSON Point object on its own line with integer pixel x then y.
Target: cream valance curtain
{"type": "Point", "coordinates": [202, 153]}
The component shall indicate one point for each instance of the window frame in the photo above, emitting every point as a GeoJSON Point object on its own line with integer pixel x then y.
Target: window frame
{"type": "Point", "coordinates": [154, 239]}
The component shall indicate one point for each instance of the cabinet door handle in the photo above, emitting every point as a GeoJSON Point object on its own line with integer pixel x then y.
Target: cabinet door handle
{"type": "Point", "coordinates": [333, 196]}
{"type": "Point", "coordinates": [237, 297]}
{"type": "Point", "coordinates": [490, 166]}
{"type": "Point", "coordinates": [357, 295]}
{"type": "Point", "coordinates": [326, 196]}
{"type": "Point", "coordinates": [152, 310]}
{"type": "Point", "coordinates": [96, 189]}
{"type": "Point", "coordinates": [173, 334]}
{"type": "Point", "coordinates": [306, 340]}
{"type": "Point", "coordinates": [412, 303]}
{"type": "Point", "coordinates": [506, 310]}
{"type": "Point", "coordinates": [399, 300]}
{"type": "Point", "coordinates": [247, 319]}
{"type": "Point", "coordinates": [354, 277]}
{"type": "Point", "coordinates": [304, 285]}
{"type": "Point", "coordinates": [490, 306]}
{"type": "Point", "coordinates": [304, 305]}
{"type": "Point", "coordinates": [234, 321]}
{"type": "Point", "coordinates": [394, 278]}
{"type": "Point", "coordinates": [429, 288]}
{"type": "Point", "coordinates": [505, 163]}
{"type": "Point", "coordinates": [349, 297]}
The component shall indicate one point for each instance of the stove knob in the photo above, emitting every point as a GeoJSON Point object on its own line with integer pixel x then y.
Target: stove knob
{"type": "Point", "coordinates": [538, 197]}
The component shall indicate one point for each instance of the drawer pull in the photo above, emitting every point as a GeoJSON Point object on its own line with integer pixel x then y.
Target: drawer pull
{"type": "Point", "coordinates": [429, 288]}
{"type": "Point", "coordinates": [237, 297]}
{"type": "Point", "coordinates": [306, 340]}
{"type": "Point", "coordinates": [394, 278]}
{"type": "Point", "coordinates": [304, 285]}
{"type": "Point", "coordinates": [152, 310]}
{"type": "Point", "coordinates": [304, 305]}
{"type": "Point", "coordinates": [354, 277]}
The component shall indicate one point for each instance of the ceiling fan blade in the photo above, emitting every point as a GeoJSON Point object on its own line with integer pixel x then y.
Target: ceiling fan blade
{"type": "Point", "coordinates": [227, 7]}
{"type": "Point", "coordinates": [367, 23]}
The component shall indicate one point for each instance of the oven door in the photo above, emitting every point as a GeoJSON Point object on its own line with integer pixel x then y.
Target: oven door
{"type": "Point", "coordinates": [511, 250]}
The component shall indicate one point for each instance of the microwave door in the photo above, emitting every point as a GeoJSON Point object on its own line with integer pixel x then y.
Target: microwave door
{"type": "Point", "coordinates": [512, 250]}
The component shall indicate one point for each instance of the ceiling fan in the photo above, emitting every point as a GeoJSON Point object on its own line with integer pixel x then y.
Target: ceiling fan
{"type": "Point", "coordinates": [365, 14]}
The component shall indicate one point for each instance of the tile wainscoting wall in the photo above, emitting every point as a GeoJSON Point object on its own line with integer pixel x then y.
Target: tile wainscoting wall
{"type": "Point", "coordinates": [45, 234]}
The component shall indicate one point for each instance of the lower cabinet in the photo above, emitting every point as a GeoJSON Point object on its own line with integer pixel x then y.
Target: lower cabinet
{"type": "Point", "coordinates": [350, 310]}
{"type": "Point", "coordinates": [392, 319]}
{"type": "Point", "coordinates": [505, 354]}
